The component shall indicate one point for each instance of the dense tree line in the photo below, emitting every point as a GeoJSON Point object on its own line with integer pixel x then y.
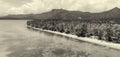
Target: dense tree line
{"type": "Point", "coordinates": [103, 31]}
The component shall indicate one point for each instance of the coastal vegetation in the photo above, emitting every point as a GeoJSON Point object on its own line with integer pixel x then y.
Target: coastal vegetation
{"type": "Point", "coordinates": [106, 31]}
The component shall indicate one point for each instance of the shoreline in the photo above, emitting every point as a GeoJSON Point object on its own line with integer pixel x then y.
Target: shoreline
{"type": "Point", "coordinates": [86, 39]}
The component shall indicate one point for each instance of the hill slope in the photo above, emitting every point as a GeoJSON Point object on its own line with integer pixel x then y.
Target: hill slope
{"type": "Point", "coordinates": [113, 14]}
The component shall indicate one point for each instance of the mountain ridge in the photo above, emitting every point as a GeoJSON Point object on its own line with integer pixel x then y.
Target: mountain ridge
{"type": "Point", "coordinates": [113, 14]}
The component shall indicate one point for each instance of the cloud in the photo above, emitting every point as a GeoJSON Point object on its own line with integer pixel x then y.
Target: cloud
{"type": "Point", "coordinates": [39, 6]}
{"type": "Point", "coordinates": [3, 8]}
{"type": "Point", "coordinates": [16, 3]}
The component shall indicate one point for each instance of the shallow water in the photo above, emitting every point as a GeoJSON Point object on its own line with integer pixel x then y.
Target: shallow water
{"type": "Point", "coordinates": [16, 40]}
{"type": "Point", "coordinates": [15, 33]}
{"type": "Point", "coordinates": [9, 29]}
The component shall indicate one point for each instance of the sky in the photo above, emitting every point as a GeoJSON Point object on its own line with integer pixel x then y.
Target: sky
{"type": "Point", "coordinates": [40, 6]}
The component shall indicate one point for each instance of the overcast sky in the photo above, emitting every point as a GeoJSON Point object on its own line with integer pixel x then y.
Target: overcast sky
{"type": "Point", "coordinates": [39, 6]}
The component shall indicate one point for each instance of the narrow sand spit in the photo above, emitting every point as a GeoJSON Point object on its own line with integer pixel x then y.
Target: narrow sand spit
{"type": "Point", "coordinates": [91, 40]}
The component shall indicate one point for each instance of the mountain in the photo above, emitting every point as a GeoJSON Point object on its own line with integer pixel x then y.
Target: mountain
{"type": "Point", "coordinates": [61, 14]}
{"type": "Point", "coordinates": [113, 14]}
{"type": "Point", "coordinates": [53, 14]}
{"type": "Point", "coordinates": [19, 16]}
